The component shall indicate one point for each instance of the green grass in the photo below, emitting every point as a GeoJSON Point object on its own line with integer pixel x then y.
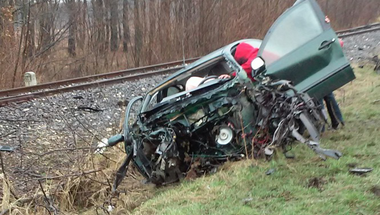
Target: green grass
{"type": "Point", "coordinates": [244, 188]}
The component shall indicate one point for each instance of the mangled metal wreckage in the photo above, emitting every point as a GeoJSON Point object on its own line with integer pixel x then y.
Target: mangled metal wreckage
{"type": "Point", "coordinates": [298, 62]}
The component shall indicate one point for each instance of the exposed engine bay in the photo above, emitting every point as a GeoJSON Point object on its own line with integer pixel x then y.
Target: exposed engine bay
{"type": "Point", "coordinates": [195, 128]}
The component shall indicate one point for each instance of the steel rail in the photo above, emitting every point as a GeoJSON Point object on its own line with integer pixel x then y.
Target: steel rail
{"type": "Point", "coordinates": [91, 78]}
{"type": "Point", "coordinates": [358, 32]}
{"type": "Point", "coordinates": [30, 96]}
{"type": "Point", "coordinates": [377, 24]}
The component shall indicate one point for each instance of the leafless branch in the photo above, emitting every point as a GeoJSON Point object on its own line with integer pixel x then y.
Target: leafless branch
{"type": "Point", "coordinates": [5, 176]}
{"type": "Point", "coordinates": [48, 201]}
{"type": "Point", "coordinates": [69, 175]}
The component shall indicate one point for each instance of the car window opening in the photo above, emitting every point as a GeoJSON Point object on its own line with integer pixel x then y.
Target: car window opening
{"type": "Point", "coordinates": [177, 87]}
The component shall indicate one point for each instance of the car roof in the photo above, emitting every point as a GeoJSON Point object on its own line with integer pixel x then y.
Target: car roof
{"type": "Point", "coordinates": [223, 51]}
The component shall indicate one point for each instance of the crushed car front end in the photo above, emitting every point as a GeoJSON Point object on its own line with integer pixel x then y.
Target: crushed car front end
{"type": "Point", "coordinates": [211, 123]}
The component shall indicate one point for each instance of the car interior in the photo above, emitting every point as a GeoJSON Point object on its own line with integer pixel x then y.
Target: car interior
{"type": "Point", "coordinates": [176, 87]}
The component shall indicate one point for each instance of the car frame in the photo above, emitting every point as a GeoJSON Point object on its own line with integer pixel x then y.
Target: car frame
{"type": "Point", "coordinates": [222, 118]}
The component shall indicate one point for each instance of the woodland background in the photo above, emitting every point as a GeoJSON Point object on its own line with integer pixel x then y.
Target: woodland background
{"type": "Point", "coordinates": [60, 39]}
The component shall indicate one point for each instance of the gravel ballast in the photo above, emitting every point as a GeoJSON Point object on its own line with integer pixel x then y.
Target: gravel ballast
{"type": "Point", "coordinates": [55, 132]}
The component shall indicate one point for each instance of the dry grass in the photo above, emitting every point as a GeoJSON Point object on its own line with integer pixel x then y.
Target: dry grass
{"type": "Point", "coordinates": [83, 192]}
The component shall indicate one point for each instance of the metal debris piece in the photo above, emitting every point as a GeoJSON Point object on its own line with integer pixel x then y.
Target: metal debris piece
{"type": "Point", "coordinates": [89, 109]}
{"type": "Point", "coordinates": [7, 149]}
{"type": "Point", "coordinates": [360, 171]}
{"type": "Point", "coordinates": [270, 171]}
{"type": "Point", "coordinates": [246, 200]}
{"type": "Point", "coordinates": [78, 97]}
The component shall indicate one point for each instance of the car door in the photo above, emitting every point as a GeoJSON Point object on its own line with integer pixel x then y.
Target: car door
{"type": "Point", "coordinates": [302, 47]}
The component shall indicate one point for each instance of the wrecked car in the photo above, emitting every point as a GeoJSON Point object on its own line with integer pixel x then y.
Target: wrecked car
{"type": "Point", "coordinates": [299, 61]}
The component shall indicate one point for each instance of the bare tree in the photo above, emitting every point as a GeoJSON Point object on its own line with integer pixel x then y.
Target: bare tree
{"type": "Point", "coordinates": [114, 22]}
{"type": "Point", "coordinates": [72, 29]}
{"type": "Point", "coordinates": [29, 44]}
{"type": "Point", "coordinates": [99, 24]}
{"type": "Point", "coordinates": [82, 24]}
{"type": "Point", "coordinates": [45, 23]}
{"type": "Point", "coordinates": [138, 33]}
{"type": "Point", "coordinates": [126, 34]}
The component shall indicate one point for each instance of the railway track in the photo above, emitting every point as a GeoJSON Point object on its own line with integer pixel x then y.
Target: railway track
{"type": "Point", "coordinates": [22, 94]}
{"type": "Point", "coordinates": [359, 30]}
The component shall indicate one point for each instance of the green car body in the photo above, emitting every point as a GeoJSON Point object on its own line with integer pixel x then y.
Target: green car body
{"type": "Point", "coordinates": [224, 119]}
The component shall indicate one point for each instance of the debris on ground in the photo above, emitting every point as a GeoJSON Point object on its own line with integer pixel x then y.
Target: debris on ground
{"type": "Point", "coordinates": [270, 171]}
{"type": "Point", "coordinates": [246, 200]}
{"type": "Point", "coordinates": [360, 171]}
{"type": "Point", "coordinates": [7, 148]}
